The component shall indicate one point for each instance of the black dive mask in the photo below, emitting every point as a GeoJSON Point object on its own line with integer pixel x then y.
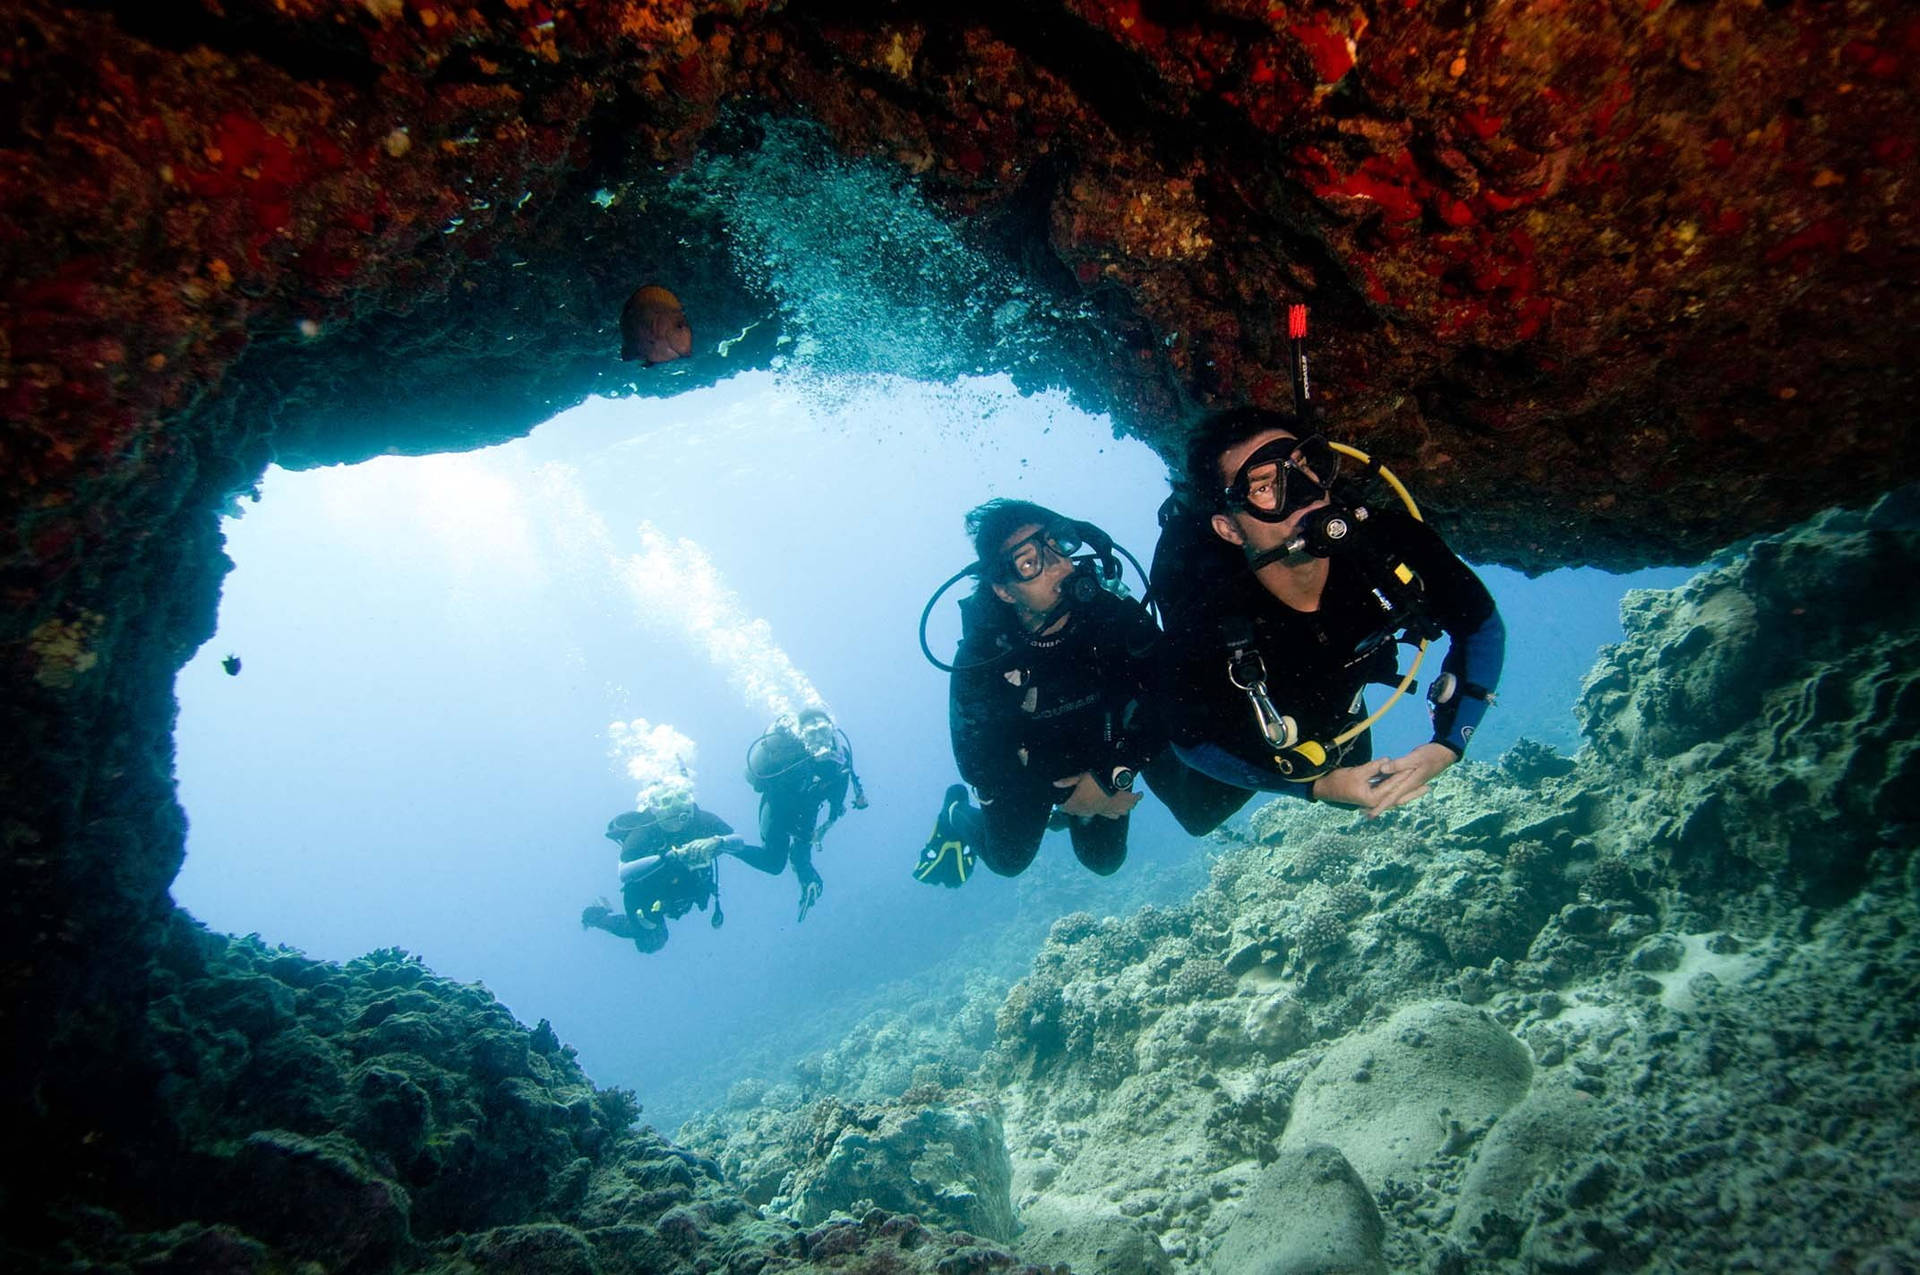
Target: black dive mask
{"type": "Point", "coordinates": [1028, 558]}
{"type": "Point", "coordinates": [1093, 571]}
{"type": "Point", "coordinates": [1298, 473]}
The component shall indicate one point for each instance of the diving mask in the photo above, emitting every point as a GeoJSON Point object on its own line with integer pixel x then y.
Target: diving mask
{"type": "Point", "coordinates": [816, 736]}
{"type": "Point", "coordinates": [1026, 559]}
{"type": "Point", "coordinates": [670, 809]}
{"type": "Point", "coordinates": [1283, 477]}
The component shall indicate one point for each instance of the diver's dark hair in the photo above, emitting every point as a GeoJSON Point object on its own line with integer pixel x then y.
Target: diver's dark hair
{"type": "Point", "coordinates": [812, 713]}
{"type": "Point", "coordinates": [990, 524]}
{"type": "Point", "coordinates": [1217, 434]}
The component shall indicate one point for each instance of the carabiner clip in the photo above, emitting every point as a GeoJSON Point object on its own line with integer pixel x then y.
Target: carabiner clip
{"type": "Point", "coordinates": [1246, 670]}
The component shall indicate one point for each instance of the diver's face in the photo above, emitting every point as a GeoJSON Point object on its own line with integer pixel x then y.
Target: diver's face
{"type": "Point", "coordinates": [675, 817]}
{"type": "Point", "coordinates": [1031, 583]}
{"type": "Point", "coordinates": [817, 737]}
{"type": "Point", "coordinates": [1237, 526]}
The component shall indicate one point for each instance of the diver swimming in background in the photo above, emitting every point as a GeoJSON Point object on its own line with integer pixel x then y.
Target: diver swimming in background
{"type": "Point", "coordinates": [1283, 596]}
{"type": "Point", "coordinates": [669, 850]}
{"type": "Point", "coordinates": [800, 764]}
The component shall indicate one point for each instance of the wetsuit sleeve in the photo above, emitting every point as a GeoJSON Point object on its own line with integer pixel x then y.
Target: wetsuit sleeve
{"type": "Point", "coordinates": [1475, 660]}
{"type": "Point", "coordinates": [637, 870]}
{"type": "Point", "coordinates": [1478, 637]}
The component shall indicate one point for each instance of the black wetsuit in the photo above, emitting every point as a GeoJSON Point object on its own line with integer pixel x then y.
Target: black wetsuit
{"type": "Point", "coordinates": [793, 785]}
{"type": "Point", "coordinates": [1026, 710]}
{"type": "Point", "coordinates": [1317, 663]}
{"type": "Point", "coordinates": [671, 889]}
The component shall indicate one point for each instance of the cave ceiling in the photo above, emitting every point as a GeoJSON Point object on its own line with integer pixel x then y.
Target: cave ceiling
{"type": "Point", "coordinates": [1621, 282]}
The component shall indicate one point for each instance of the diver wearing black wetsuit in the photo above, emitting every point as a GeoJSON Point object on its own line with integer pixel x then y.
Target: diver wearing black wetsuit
{"type": "Point", "coordinates": [667, 854]}
{"type": "Point", "coordinates": [798, 766]}
{"type": "Point", "coordinates": [1045, 703]}
{"type": "Point", "coordinates": [1229, 588]}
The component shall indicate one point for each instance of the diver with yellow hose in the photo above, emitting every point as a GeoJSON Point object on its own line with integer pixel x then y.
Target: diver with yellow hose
{"type": "Point", "coordinates": [1284, 594]}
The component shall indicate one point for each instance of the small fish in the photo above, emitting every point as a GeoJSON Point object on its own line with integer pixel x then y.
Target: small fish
{"type": "Point", "coordinates": [232, 665]}
{"type": "Point", "coordinates": [654, 327]}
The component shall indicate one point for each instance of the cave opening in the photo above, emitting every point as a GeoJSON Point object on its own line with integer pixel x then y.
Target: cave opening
{"type": "Point", "coordinates": [444, 663]}
{"type": "Point", "coordinates": [445, 660]}
{"type": "Point", "coordinates": [420, 748]}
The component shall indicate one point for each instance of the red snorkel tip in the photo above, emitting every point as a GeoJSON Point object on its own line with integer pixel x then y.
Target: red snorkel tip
{"type": "Point", "coordinates": [1296, 322]}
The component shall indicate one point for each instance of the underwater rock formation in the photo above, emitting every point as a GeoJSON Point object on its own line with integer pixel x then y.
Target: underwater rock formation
{"type": "Point", "coordinates": [1622, 295]}
{"type": "Point", "coordinates": [1518, 229]}
{"type": "Point", "coordinates": [1776, 704]}
{"type": "Point", "coordinates": [1374, 1096]}
{"type": "Point", "coordinates": [1609, 286]}
{"type": "Point", "coordinates": [1531, 1022]}
{"type": "Point", "coordinates": [373, 1117]}
{"type": "Point", "coordinates": [935, 1153]}
{"type": "Point", "coordinates": [1308, 1213]}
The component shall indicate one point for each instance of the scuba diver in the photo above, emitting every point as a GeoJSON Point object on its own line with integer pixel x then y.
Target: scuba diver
{"type": "Point", "coordinates": [1046, 697]}
{"type": "Point", "coordinates": [1284, 595]}
{"type": "Point", "coordinates": [669, 850]}
{"type": "Point", "coordinates": [802, 763]}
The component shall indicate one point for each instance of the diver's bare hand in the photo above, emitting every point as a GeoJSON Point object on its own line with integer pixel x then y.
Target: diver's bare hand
{"type": "Point", "coordinates": [1405, 778]}
{"type": "Point", "coordinates": [698, 854]}
{"type": "Point", "coordinates": [1379, 786]}
{"type": "Point", "coordinates": [1089, 798]}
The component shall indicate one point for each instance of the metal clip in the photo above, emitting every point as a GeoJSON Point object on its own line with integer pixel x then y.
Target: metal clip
{"type": "Point", "coordinates": [1246, 670]}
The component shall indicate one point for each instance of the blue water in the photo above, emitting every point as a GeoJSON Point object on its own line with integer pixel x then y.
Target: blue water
{"type": "Point", "coordinates": [417, 749]}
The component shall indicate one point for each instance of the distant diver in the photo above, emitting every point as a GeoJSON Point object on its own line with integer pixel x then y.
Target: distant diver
{"type": "Point", "coordinates": [232, 665]}
{"type": "Point", "coordinates": [800, 764]}
{"type": "Point", "coordinates": [1284, 594]}
{"type": "Point", "coordinates": [654, 327]}
{"type": "Point", "coordinates": [669, 851]}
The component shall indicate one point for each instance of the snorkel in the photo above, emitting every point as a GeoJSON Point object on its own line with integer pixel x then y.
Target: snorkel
{"type": "Point", "coordinates": [1092, 574]}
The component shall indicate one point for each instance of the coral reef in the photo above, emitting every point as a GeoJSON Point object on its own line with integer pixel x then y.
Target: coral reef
{"type": "Point", "coordinates": [935, 1153]}
{"type": "Point", "coordinates": [374, 1117]}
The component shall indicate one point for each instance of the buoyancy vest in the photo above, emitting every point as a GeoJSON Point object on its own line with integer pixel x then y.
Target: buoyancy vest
{"type": "Point", "coordinates": [1027, 710]}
